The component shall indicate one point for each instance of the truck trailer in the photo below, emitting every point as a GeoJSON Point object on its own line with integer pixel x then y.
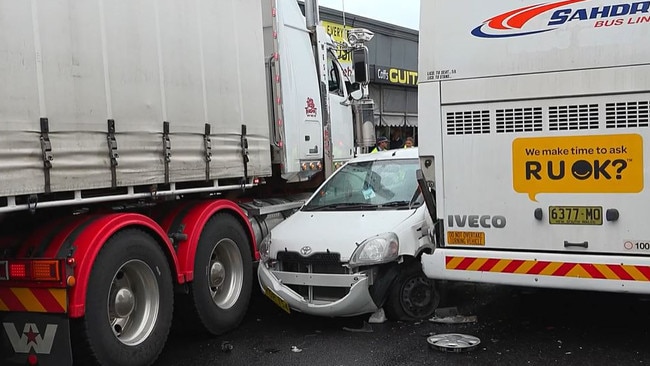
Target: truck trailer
{"type": "Point", "coordinates": [146, 148]}
{"type": "Point", "coordinates": [534, 118]}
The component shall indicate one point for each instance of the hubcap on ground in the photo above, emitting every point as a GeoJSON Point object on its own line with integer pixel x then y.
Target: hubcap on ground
{"type": "Point", "coordinates": [453, 342]}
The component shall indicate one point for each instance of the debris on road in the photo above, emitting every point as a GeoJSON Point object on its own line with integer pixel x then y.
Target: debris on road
{"type": "Point", "coordinates": [377, 317]}
{"type": "Point", "coordinates": [458, 319]}
{"type": "Point", "coordinates": [450, 316]}
{"type": "Point", "coordinates": [296, 349]}
{"type": "Point", "coordinates": [453, 342]}
{"type": "Point", "coordinates": [365, 328]}
{"type": "Point", "coordinates": [226, 346]}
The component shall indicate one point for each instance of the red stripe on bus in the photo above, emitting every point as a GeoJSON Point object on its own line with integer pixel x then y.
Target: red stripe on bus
{"type": "Point", "coordinates": [645, 271]}
{"type": "Point", "coordinates": [564, 269]}
{"type": "Point", "coordinates": [489, 264]}
{"type": "Point", "coordinates": [466, 262]}
{"type": "Point", "coordinates": [538, 267]}
{"type": "Point", "coordinates": [593, 271]}
{"type": "Point", "coordinates": [513, 266]}
{"type": "Point", "coordinates": [620, 272]}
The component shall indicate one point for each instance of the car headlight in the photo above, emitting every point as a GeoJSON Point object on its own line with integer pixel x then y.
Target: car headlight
{"type": "Point", "coordinates": [381, 248]}
{"type": "Point", "coordinates": [265, 249]}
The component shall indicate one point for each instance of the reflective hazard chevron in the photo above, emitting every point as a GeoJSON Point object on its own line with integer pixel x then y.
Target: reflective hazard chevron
{"type": "Point", "coordinates": [39, 300]}
{"type": "Point", "coordinates": [547, 268]}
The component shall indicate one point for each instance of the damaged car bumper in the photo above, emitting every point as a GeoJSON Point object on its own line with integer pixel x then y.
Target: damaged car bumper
{"type": "Point", "coordinates": [335, 295]}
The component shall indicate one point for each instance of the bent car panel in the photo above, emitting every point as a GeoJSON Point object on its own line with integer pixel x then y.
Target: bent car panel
{"type": "Point", "coordinates": [357, 301]}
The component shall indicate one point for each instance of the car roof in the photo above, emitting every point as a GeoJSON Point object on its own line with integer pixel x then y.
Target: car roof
{"type": "Point", "coordinates": [409, 153]}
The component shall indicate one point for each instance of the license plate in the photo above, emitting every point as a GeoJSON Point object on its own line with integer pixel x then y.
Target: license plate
{"type": "Point", "coordinates": [575, 215]}
{"type": "Point", "coordinates": [276, 299]}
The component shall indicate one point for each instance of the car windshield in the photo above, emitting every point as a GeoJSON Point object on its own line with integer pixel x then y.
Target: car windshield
{"type": "Point", "coordinates": [381, 184]}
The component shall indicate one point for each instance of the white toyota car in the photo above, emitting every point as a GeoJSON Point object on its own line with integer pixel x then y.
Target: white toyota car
{"type": "Point", "coordinates": [354, 246]}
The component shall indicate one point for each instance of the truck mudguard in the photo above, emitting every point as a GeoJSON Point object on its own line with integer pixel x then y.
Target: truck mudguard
{"type": "Point", "coordinates": [186, 223]}
{"type": "Point", "coordinates": [78, 238]}
{"type": "Point", "coordinates": [85, 242]}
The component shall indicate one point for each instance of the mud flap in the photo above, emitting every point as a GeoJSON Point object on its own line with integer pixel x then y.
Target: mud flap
{"type": "Point", "coordinates": [43, 337]}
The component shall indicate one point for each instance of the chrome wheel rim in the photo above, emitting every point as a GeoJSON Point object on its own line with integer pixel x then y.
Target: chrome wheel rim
{"type": "Point", "coordinates": [133, 302]}
{"type": "Point", "coordinates": [225, 273]}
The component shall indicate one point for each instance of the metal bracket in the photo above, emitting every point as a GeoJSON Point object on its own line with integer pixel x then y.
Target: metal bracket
{"type": "Point", "coordinates": [207, 144]}
{"type": "Point", "coordinates": [112, 151]}
{"type": "Point", "coordinates": [167, 149]}
{"type": "Point", "coordinates": [244, 151]}
{"type": "Point", "coordinates": [46, 151]}
{"type": "Point", "coordinates": [32, 202]}
{"type": "Point", "coordinates": [178, 236]}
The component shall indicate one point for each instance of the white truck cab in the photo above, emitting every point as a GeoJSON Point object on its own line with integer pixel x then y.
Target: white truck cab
{"type": "Point", "coordinates": [353, 247]}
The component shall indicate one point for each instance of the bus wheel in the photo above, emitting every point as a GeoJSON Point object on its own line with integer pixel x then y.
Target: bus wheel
{"type": "Point", "coordinates": [129, 303]}
{"type": "Point", "coordinates": [413, 296]}
{"type": "Point", "coordinates": [223, 275]}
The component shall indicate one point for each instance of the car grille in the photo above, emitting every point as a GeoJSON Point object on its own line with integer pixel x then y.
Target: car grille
{"type": "Point", "coordinates": [315, 263]}
{"type": "Point", "coordinates": [316, 258]}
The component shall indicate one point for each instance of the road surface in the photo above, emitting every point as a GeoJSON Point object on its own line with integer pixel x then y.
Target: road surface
{"type": "Point", "coordinates": [516, 326]}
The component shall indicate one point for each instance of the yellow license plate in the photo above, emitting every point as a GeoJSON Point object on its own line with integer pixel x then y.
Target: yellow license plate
{"type": "Point", "coordinates": [575, 215]}
{"type": "Point", "coordinates": [276, 299]}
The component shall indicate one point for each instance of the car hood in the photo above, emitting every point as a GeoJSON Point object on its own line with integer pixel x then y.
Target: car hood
{"type": "Point", "coordinates": [335, 231]}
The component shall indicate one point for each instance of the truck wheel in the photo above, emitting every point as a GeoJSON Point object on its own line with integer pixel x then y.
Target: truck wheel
{"type": "Point", "coordinates": [129, 303]}
{"type": "Point", "coordinates": [223, 275]}
{"type": "Point", "coordinates": [413, 296]}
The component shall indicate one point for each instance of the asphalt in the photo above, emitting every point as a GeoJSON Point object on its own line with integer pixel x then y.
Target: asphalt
{"type": "Point", "coordinates": [516, 326]}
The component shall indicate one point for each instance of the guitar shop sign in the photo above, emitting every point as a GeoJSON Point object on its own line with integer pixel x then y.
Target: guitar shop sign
{"type": "Point", "coordinates": [394, 76]}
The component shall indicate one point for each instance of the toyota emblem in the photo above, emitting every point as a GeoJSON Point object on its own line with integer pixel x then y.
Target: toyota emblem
{"type": "Point", "coordinates": [305, 251]}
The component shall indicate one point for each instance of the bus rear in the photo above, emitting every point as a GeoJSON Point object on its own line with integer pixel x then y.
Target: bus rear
{"type": "Point", "coordinates": [534, 118]}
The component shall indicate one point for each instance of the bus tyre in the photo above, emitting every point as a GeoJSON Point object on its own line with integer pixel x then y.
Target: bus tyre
{"type": "Point", "coordinates": [129, 303]}
{"type": "Point", "coordinates": [413, 296]}
{"type": "Point", "coordinates": [223, 275]}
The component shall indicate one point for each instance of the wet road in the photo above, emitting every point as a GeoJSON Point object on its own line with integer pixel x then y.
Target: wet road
{"type": "Point", "coordinates": [516, 326]}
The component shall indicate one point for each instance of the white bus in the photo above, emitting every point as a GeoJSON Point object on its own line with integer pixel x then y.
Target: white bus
{"type": "Point", "coordinates": [533, 121]}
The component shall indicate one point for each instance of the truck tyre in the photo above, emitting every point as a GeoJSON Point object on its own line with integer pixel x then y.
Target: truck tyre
{"type": "Point", "coordinates": [413, 296]}
{"type": "Point", "coordinates": [223, 276]}
{"type": "Point", "coordinates": [129, 303]}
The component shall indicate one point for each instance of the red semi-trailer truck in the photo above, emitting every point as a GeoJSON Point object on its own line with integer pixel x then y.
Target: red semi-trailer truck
{"type": "Point", "coordinates": [146, 146]}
